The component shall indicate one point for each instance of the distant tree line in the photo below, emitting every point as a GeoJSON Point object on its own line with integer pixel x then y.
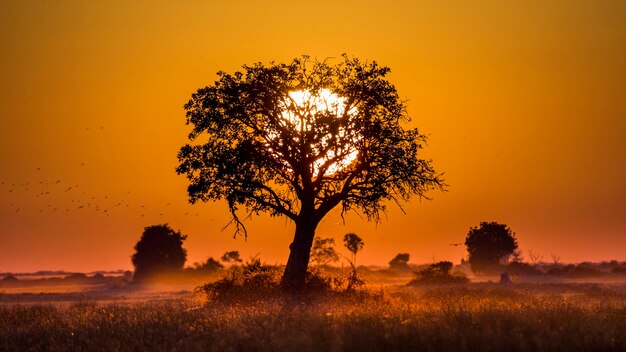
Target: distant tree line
{"type": "Point", "coordinates": [492, 249]}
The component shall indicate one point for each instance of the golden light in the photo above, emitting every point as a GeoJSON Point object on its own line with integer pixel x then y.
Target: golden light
{"type": "Point", "coordinates": [302, 108]}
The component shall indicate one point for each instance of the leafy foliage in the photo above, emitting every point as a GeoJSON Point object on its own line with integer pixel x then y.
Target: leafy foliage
{"type": "Point", "coordinates": [488, 245]}
{"type": "Point", "coordinates": [253, 156]}
{"type": "Point", "coordinates": [256, 147]}
{"type": "Point", "coordinates": [159, 253]}
{"type": "Point", "coordinates": [353, 243]}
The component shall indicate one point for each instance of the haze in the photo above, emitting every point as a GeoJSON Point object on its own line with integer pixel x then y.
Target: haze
{"type": "Point", "coordinates": [524, 104]}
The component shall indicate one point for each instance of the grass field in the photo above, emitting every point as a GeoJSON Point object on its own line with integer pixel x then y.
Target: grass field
{"type": "Point", "coordinates": [476, 317]}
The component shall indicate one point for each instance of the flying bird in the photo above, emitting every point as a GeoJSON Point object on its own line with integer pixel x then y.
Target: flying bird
{"type": "Point", "coordinates": [456, 244]}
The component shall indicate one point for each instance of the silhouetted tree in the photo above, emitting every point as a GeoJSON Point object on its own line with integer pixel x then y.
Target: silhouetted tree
{"type": "Point", "coordinates": [159, 252]}
{"type": "Point", "coordinates": [489, 244]}
{"type": "Point", "coordinates": [323, 251]}
{"type": "Point", "coordinates": [400, 261]}
{"type": "Point", "coordinates": [353, 243]}
{"type": "Point", "coordinates": [231, 257]}
{"type": "Point", "coordinates": [298, 139]}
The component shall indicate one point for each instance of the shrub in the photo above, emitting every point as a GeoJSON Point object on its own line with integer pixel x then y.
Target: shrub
{"type": "Point", "coordinates": [249, 280]}
{"type": "Point", "coordinates": [522, 269]}
{"type": "Point", "coordinates": [209, 266]}
{"type": "Point", "coordinates": [400, 262]}
{"type": "Point", "coordinates": [255, 280]}
{"type": "Point", "coordinates": [437, 274]}
{"type": "Point", "coordinates": [619, 270]}
{"type": "Point", "coordinates": [572, 271]}
{"type": "Point", "coordinates": [231, 257]}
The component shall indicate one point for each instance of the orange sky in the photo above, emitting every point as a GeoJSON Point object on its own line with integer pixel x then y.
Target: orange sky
{"type": "Point", "coordinates": [525, 105]}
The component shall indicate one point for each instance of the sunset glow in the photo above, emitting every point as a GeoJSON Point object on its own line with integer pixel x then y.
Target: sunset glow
{"type": "Point", "coordinates": [313, 176]}
{"type": "Point", "coordinates": [303, 107]}
{"type": "Point", "coordinates": [523, 105]}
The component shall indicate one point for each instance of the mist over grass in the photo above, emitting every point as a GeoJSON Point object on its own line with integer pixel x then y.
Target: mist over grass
{"type": "Point", "coordinates": [241, 308]}
{"type": "Point", "coordinates": [477, 317]}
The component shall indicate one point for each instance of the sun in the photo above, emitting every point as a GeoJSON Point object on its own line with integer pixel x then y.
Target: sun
{"type": "Point", "coordinates": [299, 111]}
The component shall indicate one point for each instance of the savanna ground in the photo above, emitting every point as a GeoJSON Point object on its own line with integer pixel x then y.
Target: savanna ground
{"type": "Point", "coordinates": [471, 317]}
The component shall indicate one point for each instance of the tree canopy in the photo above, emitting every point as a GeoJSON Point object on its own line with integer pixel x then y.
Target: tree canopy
{"type": "Point", "coordinates": [298, 139]}
{"type": "Point", "coordinates": [159, 252]}
{"type": "Point", "coordinates": [488, 245]}
{"type": "Point", "coordinates": [353, 243]}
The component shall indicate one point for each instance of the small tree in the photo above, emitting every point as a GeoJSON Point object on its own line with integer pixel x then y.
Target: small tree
{"type": "Point", "coordinates": [353, 243]}
{"type": "Point", "coordinates": [231, 257]}
{"type": "Point", "coordinates": [400, 262]}
{"type": "Point", "coordinates": [158, 253]}
{"type": "Point", "coordinates": [488, 245]}
{"type": "Point", "coordinates": [299, 139]}
{"type": "Point", "coordinates": [323, 251]}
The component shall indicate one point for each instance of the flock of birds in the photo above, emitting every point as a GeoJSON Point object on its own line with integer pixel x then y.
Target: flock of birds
{"type": "Point", "coordinates": [56, 196]}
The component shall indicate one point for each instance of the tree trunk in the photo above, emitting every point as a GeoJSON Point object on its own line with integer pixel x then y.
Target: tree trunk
{"type": "Point", "coordinates": [300, 251]}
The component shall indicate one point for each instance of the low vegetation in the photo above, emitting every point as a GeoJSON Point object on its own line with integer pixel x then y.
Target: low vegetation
{"type": "Point", "coordinates": [438, 274]}
{"type": "Point", "coordinates": [485, 317]}
{"type": "Point", "coordinates": [254, 280]}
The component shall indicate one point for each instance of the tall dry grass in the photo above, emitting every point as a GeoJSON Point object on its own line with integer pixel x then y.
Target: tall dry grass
{"type": "Point", "coordinates": [478, 317]}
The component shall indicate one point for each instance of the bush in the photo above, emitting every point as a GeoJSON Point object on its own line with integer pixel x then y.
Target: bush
{"type": "Point", "coordinates": [522, 269]}
{"type": "Point", "coordinates": [437, 274]}
{"type": "Point", "coordinates": [209, 266]}
{"type": "Point", "coordinates": [231, 257]}
{"type": "Point", "coordinates": [78, 277]}
{"type": "Point", "coordinates": [619, 270]}
{"type": "Point", "coordinates": [255, 280]}
{"type": "Point", "coordinates": [575, 271]}
{"type": "Point", "coordinates": [400, 262]}
{"type": "Point", "coordinates": [249, 280]}
{"type": "Point", "coordinates": [10, 279]}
